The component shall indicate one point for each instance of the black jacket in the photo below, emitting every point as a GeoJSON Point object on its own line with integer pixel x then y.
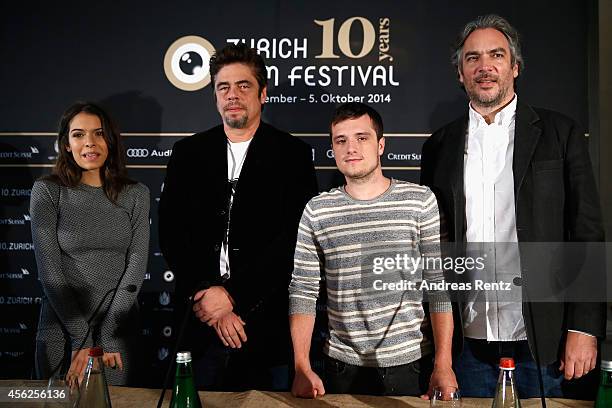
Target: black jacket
{"type": "Point", "coordinates": [276, 182]}
{"type": "Point", "coordinates": [556, 200]}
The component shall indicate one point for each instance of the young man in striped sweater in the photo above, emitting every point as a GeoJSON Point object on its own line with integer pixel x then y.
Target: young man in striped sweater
{"type": "Point", "coordinates": [357, 236]}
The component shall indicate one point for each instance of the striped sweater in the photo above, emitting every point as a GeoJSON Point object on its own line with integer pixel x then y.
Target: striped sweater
{"type": "Point", "coordinates": [346, 239]}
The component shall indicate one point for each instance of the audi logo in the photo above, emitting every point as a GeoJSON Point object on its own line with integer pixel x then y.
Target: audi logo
{"type": "Point", "coordinates": [137, 152]}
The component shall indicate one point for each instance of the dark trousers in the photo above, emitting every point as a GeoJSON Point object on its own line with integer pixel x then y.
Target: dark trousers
{"type": "Point", "coordinates": [225, 369]}
{"type": "Point", "coordinates": [407, 379]}
{"type": "Point", "coordinates": [477, 369]}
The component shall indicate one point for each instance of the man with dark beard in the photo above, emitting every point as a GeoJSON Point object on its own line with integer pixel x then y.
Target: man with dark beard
{"type": "Point", "coordinates": [505, 173]}
{"type": "Point", "coordinates": [229, 213]}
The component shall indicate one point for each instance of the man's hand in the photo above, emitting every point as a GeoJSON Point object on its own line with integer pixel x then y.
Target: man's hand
{"type": "Point", "coordinates": [442, 377]}
{"type": "Point", "coordinates": [230, 330]}
{"type": "Point", "coordinates": [78, 363]}
{"type": "Point", "coordinates": [211, 304]}
{"type": "Point", "coordinates": [112, 360]}
{"type": "Point", "coordinates": [307, 384]}
{"type": "Point", "coordinates": [580, 355]}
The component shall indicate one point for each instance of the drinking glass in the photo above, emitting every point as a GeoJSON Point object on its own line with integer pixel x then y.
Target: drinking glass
{"type": "Point", "coordinates": [72, 392]}
{"type": "Point", "coordinates": [443, 397]}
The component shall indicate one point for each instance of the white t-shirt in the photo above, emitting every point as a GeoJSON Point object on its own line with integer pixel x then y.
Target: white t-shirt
{"type": "Point", "coordinates": [236, 155]}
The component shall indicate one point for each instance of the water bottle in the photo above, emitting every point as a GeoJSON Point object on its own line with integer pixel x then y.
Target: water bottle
{"type": "Point", "coordinates": [184, 394]}
{"type": "Point", "coordinates": [604, 394]}
{"type": "Point", "coordinates": [94, 390]}
{"type": "Point", "coordinates": [505, 392]}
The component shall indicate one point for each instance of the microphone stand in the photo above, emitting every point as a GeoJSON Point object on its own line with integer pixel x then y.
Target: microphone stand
{"type": "Point", "coordinates": [537, 355]}
{"type": "Point", "coordinates": [179, 340]}
{"type": "Point", "coordinates": [536, 352]}
{"type": "Point", "coordinates": [129, 288]}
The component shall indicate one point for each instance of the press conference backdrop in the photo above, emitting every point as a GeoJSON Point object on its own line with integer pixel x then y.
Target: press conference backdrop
{"type": "Point", "coordinates": [147, 63]}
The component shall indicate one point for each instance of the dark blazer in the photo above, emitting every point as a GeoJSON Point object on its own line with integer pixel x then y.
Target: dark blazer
{"type": "Point", "coordinates": [556, 200]}
{"type": "Point", "coordinates": [276, 182]}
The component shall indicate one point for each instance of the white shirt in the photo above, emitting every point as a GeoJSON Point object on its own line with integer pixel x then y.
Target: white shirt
{"type": "Point", "coordinates": [491, 219]}
{"type": "Point", "coordinates": [236, 155]}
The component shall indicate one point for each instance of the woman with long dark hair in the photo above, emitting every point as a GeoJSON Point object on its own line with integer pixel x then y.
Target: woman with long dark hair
{"type": "Point", "coordinates": [90, 228]}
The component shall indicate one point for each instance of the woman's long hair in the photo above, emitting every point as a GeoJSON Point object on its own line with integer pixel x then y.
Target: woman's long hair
{"type": "Point", "coordinates": [113, 172]}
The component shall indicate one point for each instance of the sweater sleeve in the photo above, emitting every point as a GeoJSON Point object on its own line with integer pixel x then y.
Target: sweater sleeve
{"type": "Point", "coordinates": [135, 268]}
{"type": "Point", "coordinates": [429, 237]}
{"type": "Point", "coordinates": [308, 264]}
{"type": "Point", "coordinates": [44, 212]}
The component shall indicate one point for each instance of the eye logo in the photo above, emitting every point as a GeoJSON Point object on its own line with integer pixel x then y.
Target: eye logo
{"type": "Point", "coordinates": [168, 276]}
{"type": "Point", "coordinates": [186, 63]}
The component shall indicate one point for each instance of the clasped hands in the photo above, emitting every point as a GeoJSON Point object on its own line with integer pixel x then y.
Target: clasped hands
{"type": "Point", "coordinates": [214, 306]}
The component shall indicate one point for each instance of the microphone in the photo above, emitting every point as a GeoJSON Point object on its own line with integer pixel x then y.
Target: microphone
{"type": "Point", "coordinates": [202, 285]}
{"type": "Point", "coordinates": [129, 288]}
{"type": "Point", "coordinates": [537, 357]}
{"type": "Point", "coordinates": [189, 301]}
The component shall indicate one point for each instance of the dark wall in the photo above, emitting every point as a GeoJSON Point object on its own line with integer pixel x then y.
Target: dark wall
{"type": "Point", "coordinates": [113, 52]}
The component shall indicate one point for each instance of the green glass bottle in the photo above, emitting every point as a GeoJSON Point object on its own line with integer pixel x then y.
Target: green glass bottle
{"type": "Point", "coordinates": [604, 394]}
{"type": "Point", "coordinates": [184, 394]}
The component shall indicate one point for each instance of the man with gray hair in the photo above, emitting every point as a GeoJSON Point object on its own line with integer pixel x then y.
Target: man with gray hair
{"type": "Point", "coordinates": [506, 172]}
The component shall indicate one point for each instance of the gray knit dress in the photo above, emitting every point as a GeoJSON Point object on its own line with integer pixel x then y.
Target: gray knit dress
{"type": "Point", "coordinates": [85, 247]}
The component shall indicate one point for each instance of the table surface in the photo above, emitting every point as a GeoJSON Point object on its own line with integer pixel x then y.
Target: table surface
{"type": "Point", "coordinates": [127, 397]}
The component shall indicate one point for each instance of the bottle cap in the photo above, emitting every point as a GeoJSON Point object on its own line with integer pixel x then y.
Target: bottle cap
{"type": "Point", "coordinates": [606, 365]}
{"type": "Point", "coordinates": [183, 357]}
{"type": "Point", "coordinates": [506, 363]}
{"type": "Point", "coordinates": [96, 352]}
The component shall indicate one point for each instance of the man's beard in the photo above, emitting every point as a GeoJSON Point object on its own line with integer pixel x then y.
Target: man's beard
{"type": "Point", "coordinates": [487, 101]}
{"type": "Point", "coordinates": [237, 123]}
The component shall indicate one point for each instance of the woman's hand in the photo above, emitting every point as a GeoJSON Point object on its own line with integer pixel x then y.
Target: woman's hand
{"type": "Point", "coordinates": [112, 360]}
{"type": "Point", "coordinates": [78, 363]}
